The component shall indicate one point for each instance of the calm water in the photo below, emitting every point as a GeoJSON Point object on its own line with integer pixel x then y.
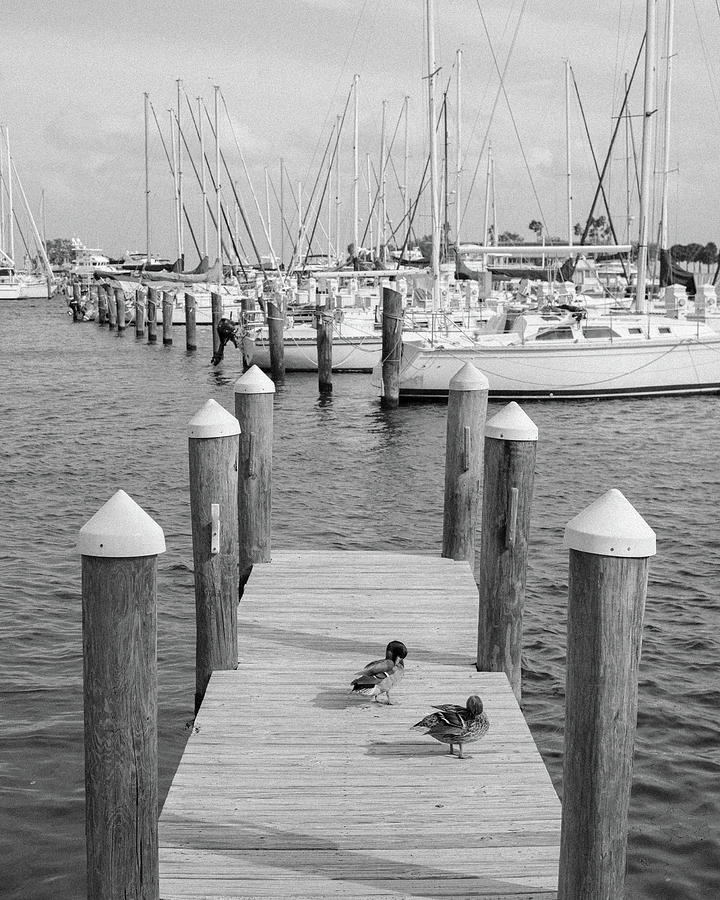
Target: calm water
{"type": "Point", "coordinates": [85, 412]}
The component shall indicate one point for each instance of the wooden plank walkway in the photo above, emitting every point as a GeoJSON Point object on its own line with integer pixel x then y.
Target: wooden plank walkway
{"type": "Point", "coordinates": [292, 787]}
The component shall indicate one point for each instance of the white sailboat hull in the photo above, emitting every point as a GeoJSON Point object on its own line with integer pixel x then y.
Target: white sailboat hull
{"type": "Point", "coordinates": [349, 354]}
{"type": "Point", "coordinates": [626, 368]}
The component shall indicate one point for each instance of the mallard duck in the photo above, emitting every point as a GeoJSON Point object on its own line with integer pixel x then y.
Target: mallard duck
{"type": "Point", "coordinates": [456, 724]}
{"type": "Point", "coordinates": [381, 675]}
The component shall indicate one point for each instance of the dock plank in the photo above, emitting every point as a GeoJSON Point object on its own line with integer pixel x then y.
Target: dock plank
{"type": "Point", "coordinates": [290, 786]}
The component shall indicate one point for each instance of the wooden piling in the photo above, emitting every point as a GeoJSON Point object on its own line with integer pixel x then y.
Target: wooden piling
{"type": "Point", "coordinates": [140, 312]}
{"type": "Point", "coordinates": [112, 308]}
{"type": "Point", "coordinates": [216, 312]}
{"type": "Point", "coordinates": [152, 305]}
{"type": "Point", "coordinates": [248, 342]}
{"type": "Point", "coordinates": [119, 547]}
{"type": "Point", "coordinates": [609, 544]}
{"type": "Point", "coordinates": [254, 411]}
{"type": "Point", "coordinates": [276, 323]}
{"type": "Point", "coordinates": [509, 469]}
{"type": "Point", "coordinates": [120, 308]}
{"type": "Point", "coordinates": [213, 444]}
{"type": "Point", "coordinates": [324, 338]}
{"type": "Point", "coordinates": [190, 322]}
{"type": "Point", "coordinates": [76, 301]}
{"type": "Point", "coordinates": [102, 305]}
{"type": "Point", "coordinates": [465, 438]}
{"type": "Point", "coordinates": [168, 307]}
{"type": "Point", "coordinates": [392, 322]}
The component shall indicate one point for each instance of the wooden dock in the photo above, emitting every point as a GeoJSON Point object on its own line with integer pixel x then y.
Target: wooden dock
{"type": "Point", "coordinates": [291, 787]}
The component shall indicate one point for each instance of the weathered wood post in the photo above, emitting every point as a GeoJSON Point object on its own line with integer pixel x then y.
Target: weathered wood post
{"type": "Point", "coordinates": [102, 305]}
{"type": "Point", "coordinates": [392, 322]}
{"type": "Point", "coordinates": [248, 342]}
{"type": "Point", "coordinates": [609, 544]}
{"type": "Point", "coordinates": [76, 301]}
{"type": "Point", "coordinates": [120, 308]}
{"type": "Point", "coordinates": [465, 439]}
{"type": "Point", "coordinates": [152, 305]}
{"type": "Point", "coordinates": [168, 308]}
{"type": "Point", "coordinates": [93, 296]}
{"type": "Point", "coordinates": [190, 322]}
{"type": "Point", "coordinates": [324, 341]}
{"type": "Point", "coordinates": [119, 547]}
{"type": "Point", "coordinates": [112, 307]}
{"type": "Point", "coordinates": [140, 312]}
{"type": "Point", "coordinates": [216, 312]}
{"type": "Point", "coordinates": [254, 411]}
{"type": "Point", "coordinates": [510, 447]}
{"type": "Point", "coordinates": [276, 323]}
{"type": "Point", "coordinates": [213, 445]}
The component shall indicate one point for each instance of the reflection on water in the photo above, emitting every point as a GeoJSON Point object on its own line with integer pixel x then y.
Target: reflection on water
{"type": "Point", "coordinates": [86, 413]}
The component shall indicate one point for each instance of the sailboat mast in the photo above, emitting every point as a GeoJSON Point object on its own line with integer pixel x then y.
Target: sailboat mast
{"type": "Point", "coordinates": [669, 28]}
{"type": "Point", "coordinates": [147, 179]}
{"type": "Point", "coordinates": [2, 199]}
{"type": "Point", "coordinates": [337, 190]}
{"type": "Point", "coordinates": [567, 154]}
{"type": "Point", "coordinates": [356, 172]}
{"type": "Point", "coordinates": [648, 138]}
{"type": "Point", "coordinates": [369, 203]}
{"type": "Point", "coordinates": [458, 150]}
{"type": "Point", "coordinates": [175, 184]}
{"type": "Point", "coordinates": [406, 196]}
{"type": "Point", "coordinates": [282, 212]}
{"type": "Point", "coordinates": [11, 224]}
{"type": "Point", "coordinates": [434, 212]}
{"type": "Point", "coordinates": [627, 166]}
{"type": "Point", "coordinates": [267, 204]}
{"type": "Point", "coordinates": [487, 196]}
{"type": "Point", "coordinates": [202, 178]}
{"type": "Point", "coordinates": [218, 186]}
{"type": "Point", "coordinates": [181, 231]}
{"type": "Point", "coordinates": [492, 201]}
{"type": "Point", "coordinates": [381, 205]}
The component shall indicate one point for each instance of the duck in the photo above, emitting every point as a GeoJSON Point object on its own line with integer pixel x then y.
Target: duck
{"type": "Point", "coordinates": [380, 676]}
{"type": "Point", "coordinates": [457, 724]}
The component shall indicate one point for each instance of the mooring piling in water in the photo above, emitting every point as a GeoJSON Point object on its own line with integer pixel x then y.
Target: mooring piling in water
{"type": "Point", "coordinates": [509, 469]}
{"type": "Point", "coordinates": [120, 308]}
{"type": "Point", "coordinates": [254, 398]}
{"type": "Point", "coordinates": [246, 319]}
{"type": "Point", "coordinates": [392, 322]}
{"type": "Point", "coordinates": [119, 547]}
{"type": "Point", "coordinates": [213, 446]}
{"type": "Point", "coordinates": [467, 408]}
{"type": "Point", "coordinates": [140, 312]}
{"type": "Point", "coordinates": [190, 321]}
{"type": "Point", "coordinates": [216, 312]}
{"type": "Point", "coordinates": [609, 545]}
{"type": "Point", "coordinates": [111, 307]}
{"type": "Point", "coordinates": [102, 305]}
{"type": "Point", "coordinates": [152, 305]}
{"type": "Point", "coordinates": [168, 306]}
{"type": "Point", "coordinates": [324, 340]}
{"type": "Point", "coordinates": [276, 322]}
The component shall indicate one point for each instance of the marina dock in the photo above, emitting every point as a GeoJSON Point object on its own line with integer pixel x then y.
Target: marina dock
{"type": "Point", "coordinates": [290, 786]}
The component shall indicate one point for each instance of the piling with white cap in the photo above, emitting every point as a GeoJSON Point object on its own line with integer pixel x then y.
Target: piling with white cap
{"type": "Point", "coordinates": [213, 448]}
{"type": "Point", "coordinates": [467, 408]}
{"type": "Point", "coordinates": [509, 470]}
{"type": "Point", "coordinates": [254, 398]}
{"type": "Point", "coordinates": [392, 323]}
{"type": "Point", "coordinates": [276, 325]}
{"type": "Point", "coordinates": [609, 544]}
{"type": "Point", "coordinates": [119, 546]}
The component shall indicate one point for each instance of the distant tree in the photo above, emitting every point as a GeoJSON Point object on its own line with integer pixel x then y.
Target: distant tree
{"type": "Point", "coordinates": [678, 252]}
{"type": "Point", "coordinates": [509, 237]}
{"type": "Point", "coordinates": [537, 227]}
{"type": "Point", "coordinates": [693, 252]}
{"type": "Point", "coordinates": [709, 254]}
{"type": "Point", "coordinates": [59, 251]}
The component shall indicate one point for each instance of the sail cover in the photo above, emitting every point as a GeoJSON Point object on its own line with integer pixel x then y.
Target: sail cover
{"type": "Point", "coordinates": [672, 274]}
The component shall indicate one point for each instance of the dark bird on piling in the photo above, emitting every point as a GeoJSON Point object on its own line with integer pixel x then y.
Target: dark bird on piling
{"type": "Point", "coordinates": [381, 675]}
{"type": "Point", "coordinates": [456, 724]}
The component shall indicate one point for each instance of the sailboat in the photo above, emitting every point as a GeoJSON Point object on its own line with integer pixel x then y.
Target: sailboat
{"type": "Point", "coordinates": [568, 354]}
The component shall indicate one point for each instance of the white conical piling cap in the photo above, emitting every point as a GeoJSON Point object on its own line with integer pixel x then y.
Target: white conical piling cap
{"type": "Point", "coordinates": [122, 529]}
{"type": "Point", "coordinates": [511, 424]}
{"type": "Point", "coordinates": [469, 378]}
{"type": "Point", "coordinates": [213, 421]}
{"type": "Point", "coordinates": [254, 381]}
{"type": "Point", "coordinates": [610, 526]}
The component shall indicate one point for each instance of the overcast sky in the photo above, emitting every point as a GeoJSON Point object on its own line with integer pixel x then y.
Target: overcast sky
{"type": "Point", "coordinates": [73, 74]}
